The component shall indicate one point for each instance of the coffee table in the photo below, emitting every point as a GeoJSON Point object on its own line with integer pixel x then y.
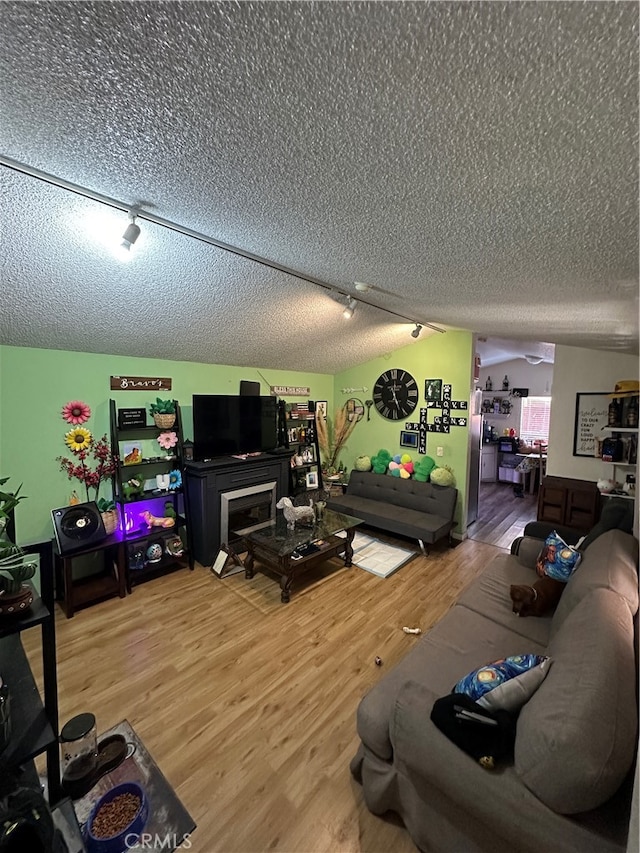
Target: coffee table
{"type": "Point", "coordinates": [169, 821]}
{"type": "Point", "coordinates": [274, 545]}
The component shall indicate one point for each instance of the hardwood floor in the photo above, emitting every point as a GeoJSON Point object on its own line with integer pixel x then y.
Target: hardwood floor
{"type": "Point", "coordinates": [248, 705]}
{"type": "Point", "coordinates": [502, 516]}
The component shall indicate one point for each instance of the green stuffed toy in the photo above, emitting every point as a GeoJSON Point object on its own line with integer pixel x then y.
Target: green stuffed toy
{"type": "Point", "coordinates": [443, 476]}
{"type": "Point", "coordinates": [423, 468]}
{"type": "Point", "coordinates": [380, 461]}
{"type": "Point", "coordinates": [362, 463]}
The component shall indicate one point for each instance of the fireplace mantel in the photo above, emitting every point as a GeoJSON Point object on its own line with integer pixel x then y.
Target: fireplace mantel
{"type": "Point", "coordinates": [207, 481]}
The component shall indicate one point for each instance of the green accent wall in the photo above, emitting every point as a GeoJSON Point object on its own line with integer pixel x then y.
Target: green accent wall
{"type": "Point", "coordinates": [448, 357]}
{"type": "Point", "coordinates": [36, 383]}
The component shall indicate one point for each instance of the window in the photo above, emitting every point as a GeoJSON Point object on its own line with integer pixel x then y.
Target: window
{"type": "Point", "coordinates": [534, 419]}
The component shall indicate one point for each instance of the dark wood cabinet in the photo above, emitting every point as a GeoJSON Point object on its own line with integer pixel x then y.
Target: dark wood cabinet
{"type": "Point", "coordinates": [34, 718]}
{"type": "Point", "coordinates": [568, 502]}
{"type": "Point", "coordinates": [302, 439]}
{"type": "Point", "coordinates": [150, 549]}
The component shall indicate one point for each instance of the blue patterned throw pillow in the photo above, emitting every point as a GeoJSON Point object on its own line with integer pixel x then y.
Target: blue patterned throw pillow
{"type": "Point", "coordinates": [506, 683]}
{"type": "Point", "coordinates": [557, 560]}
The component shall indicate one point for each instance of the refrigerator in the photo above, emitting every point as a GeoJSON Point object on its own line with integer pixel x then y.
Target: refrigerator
{"type": "Point", "coordinates": [475, 448]}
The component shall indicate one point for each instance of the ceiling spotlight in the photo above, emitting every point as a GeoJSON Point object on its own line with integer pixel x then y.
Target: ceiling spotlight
{"type": "Point", "coordinates": [416, 331]}
{"type": "Point", "coordinates": [362, 286]}
{"type": "Point", "coordinates": [533, 359]}
{"type": "Point", "coordinates": [350, 308]}
{"type": "Point", "coordinates": [131, 234]}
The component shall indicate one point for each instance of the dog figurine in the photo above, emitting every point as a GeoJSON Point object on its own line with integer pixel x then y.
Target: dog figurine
{"type": "Point", "coordinates": [538, 599]}
{"type": "Point", "coordinates": [295, 513]}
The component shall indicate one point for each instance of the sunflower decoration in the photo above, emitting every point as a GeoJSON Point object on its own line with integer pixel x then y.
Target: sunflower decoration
{"type": "Point", "coordinates": [92, 461]}
{"type": "Point", "coordinates": [78, 439]}
{"type": "Point", "coordinates": [76, 412]}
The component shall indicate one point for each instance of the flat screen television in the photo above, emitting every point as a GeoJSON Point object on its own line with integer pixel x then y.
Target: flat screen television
{"type": "Point", "coordinates": [225, 425]}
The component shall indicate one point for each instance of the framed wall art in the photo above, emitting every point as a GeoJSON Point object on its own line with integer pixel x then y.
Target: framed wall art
{"type": "Point", "coordinates": [312, 480]}
{"type": "Point", "coordinates": [592, 414]}
{"type": "Point", "coordinates": [433, 389]}
{"type": "Point", "coordinates": [408, 438]}
{"type": "Point", "coordinates": [321, 409]}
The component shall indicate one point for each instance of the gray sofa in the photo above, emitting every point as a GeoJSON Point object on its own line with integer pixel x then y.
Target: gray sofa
{"type": "Point", "coordinates": [568, 785]}
{"type": "Point", "coordinates": [422, 511]}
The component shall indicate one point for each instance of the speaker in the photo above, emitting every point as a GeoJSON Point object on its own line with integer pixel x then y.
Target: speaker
{"type": "Point", "coordinates": [78, 527]}
{"type": "Point", "coordinates": [249, 389]}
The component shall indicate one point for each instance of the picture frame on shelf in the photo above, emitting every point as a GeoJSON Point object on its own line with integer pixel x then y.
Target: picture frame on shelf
{"type": "Point", "coordinates": [131, 453]}
{"type": "Point", "coordinates": [292, 434]}
{"type": "Point", "coordinates": [312, 479]}
{"type": "Point", "coordinates": [408, 438]}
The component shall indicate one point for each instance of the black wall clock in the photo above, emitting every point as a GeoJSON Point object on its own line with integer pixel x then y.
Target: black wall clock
{"type": "Point", "coordinates": [395, 394]}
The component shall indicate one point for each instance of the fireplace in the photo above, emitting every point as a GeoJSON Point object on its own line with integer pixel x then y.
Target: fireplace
{"type": "Point", "coordinates": [229, 494]}
{"type": "Point", "coordinates": [246, 508]}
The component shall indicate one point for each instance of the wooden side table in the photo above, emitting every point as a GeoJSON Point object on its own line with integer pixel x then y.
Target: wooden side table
{"type": "Point", "coordinates": [75, 593]}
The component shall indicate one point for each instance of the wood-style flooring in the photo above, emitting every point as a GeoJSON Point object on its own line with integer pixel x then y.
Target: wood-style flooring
{"type": "Point", "coordinates": [501, 515]}
{"type": "Point", "coordinates": [247, 704]}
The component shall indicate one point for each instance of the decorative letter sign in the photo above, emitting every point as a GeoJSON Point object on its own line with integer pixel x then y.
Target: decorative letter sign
{"type": "Point", "coordinates": [139, 383]}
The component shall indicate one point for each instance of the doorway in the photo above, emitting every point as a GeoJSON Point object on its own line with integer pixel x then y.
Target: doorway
{"type": "Point", "coordinates": [501, 515]}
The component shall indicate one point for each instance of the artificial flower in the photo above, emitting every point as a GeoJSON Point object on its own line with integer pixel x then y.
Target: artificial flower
{"type": "Point", "coordinates": [78, 439]}
{"type": "Point", "coordinates": [167, 440]}
{"type": "Point", "coordinates": [175, 479]}
{"type": "Point", "coordinates": [76, 412]}
{"type": "Point", "coordinates": [84, 448]}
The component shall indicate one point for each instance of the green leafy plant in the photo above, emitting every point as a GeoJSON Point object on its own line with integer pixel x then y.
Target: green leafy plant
{"type": "Point", "coordinates": [162, 407]}
{"type": "Point", "coordinates": [15, 567]}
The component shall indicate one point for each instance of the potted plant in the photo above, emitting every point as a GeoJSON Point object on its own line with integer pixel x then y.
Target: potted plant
{"type": "Point", "coordinates": [15, 566]}
{"type": "Point", "coordinates": [163, 413]}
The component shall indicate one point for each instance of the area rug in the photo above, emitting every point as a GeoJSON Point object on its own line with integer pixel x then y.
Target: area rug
{"type": "Point", "coordinates": [377, 557]}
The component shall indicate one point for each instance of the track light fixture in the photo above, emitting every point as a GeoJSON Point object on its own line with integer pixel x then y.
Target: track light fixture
{"type": "Point", "coordinates": [350, 308]}
{"type": "Point", "coordinates": [416, 331]}
{"type": "Point", "coordinates": [131, 234]}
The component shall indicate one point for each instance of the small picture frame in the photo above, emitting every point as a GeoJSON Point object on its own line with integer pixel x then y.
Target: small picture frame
{"type": "Point", "coordinates": [131, 453]}
{"type": "Point", "coordinates": [312, 479]}
{"type": "Point", "coordinates": [293, 435]}
{"type": "Point", "coordinates": [321, 409]}
{"type": "Point", "coordinates": [408, 438]}
{"type": "Point", "coordinates": [433, 389]}
{"type": "Point", "coordinates": [219, 563]}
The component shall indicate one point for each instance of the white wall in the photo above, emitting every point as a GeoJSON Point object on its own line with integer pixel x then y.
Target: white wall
{"type": "Point", "coordinates": [578, 370]}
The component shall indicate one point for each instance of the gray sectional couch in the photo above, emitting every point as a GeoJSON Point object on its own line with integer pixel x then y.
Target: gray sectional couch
{"type": "Point", "coordinates": [422, 511]}
{"type": "Point", "coordinates": [568, 785]}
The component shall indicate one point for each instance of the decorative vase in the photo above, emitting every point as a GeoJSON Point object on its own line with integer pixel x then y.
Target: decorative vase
{"type": "Point", "coordinates": [11, 604]}
{"type": "Point", "coordinates": [110, 521]}
{"type": "Point", "coordinates": [164, 421]}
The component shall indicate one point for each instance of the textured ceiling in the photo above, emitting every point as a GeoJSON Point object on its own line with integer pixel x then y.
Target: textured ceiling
{"type": "Point", "coordinates": [477, 163]}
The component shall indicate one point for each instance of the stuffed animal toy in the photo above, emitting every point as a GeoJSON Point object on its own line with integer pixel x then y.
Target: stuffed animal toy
{"type": "Point", "coordinates": [538, 599]}
{"type": "Point", "coordinates": [423, 468]}
{"type": "Point", "coordinates": [134, 486]}
{"type": "Point", "coordinates": [401, 466]}
{"type": "Point", "coordinates": [294, 514]}
{"type": "Point", "coordinates": [380, 461]}
{"type": "Point", "coordinates": [442, 476]}
{"type": "Point", "coordinates": [362, 463]}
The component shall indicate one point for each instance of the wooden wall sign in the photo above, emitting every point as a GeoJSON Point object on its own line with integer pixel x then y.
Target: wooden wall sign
{"type": "Point", "coordinates": [289, 391]}
{"type": "Point", "coordinates": [140, 383]}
